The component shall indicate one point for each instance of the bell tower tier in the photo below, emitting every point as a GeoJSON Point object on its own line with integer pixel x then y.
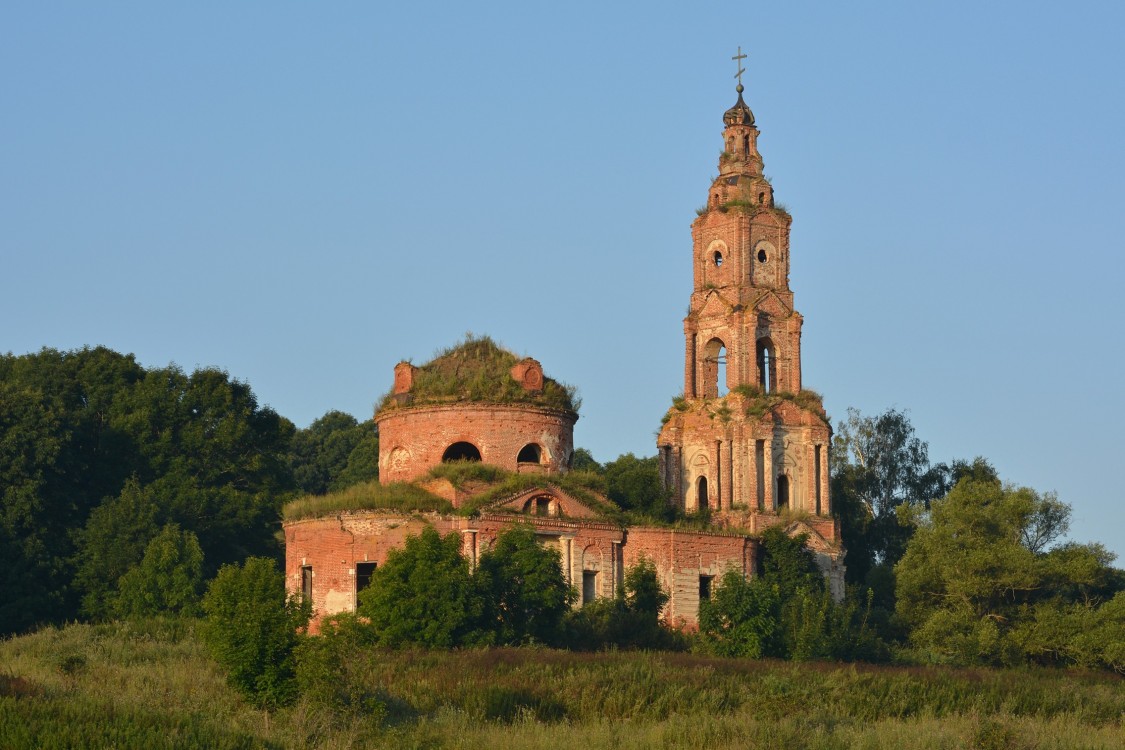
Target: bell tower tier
{"type": "Point", "coordinates": [745, 443]}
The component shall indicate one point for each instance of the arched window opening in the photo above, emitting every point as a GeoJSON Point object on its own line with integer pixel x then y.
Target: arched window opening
{"type": "Point", "coordinates": [714, 369]}
{"type": "Point", "coordinates": [767, 366]}
{"type": "Point", "coordinates": [746, 144]}
{"type": "Point", "coordinates": [761, 256]}
{"type": "Point", "coordinates": [540, 506]}
{"type": "Point", "coordinates": [529, 454]}
{"type": "Point", "coordinates": [761, 198]}
{"type": "Point", "coordinates": [460, 452]}
{"type": "Point", "coordinates": [782, 491]}
{"type": "Point", "coordinates": [701, 494]}
{"type": "Point", "coordinates": [718, 259]}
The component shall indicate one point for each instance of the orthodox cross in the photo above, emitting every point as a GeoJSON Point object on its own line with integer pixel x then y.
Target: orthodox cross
{"type": "Point", "coordinates": [738, 63]}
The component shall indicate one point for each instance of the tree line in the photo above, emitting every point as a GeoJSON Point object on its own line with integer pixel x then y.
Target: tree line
{"type": "Point", "coordinates": [101, 458]}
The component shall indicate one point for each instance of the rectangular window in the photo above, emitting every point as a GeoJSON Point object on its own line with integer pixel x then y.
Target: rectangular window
{"type": "Point", "coordinates": [363, 573]}
{"type": "Point", "coordinates": [705, 587]}
{"type": "Point", "coordinates": [589, 586]}
{"type": "Point", "coordinates": [306, 582]}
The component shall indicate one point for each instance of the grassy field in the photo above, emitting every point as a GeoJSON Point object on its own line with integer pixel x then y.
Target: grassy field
{"type": "Point", "coordinates": [152, 685]}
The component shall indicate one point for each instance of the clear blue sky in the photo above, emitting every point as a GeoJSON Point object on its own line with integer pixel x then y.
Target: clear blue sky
{"type": "Point", "coordinates": [305, 194]}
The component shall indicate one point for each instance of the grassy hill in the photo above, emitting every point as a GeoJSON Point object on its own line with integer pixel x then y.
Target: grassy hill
{"type": "Point", "coordinates": [151, 685]}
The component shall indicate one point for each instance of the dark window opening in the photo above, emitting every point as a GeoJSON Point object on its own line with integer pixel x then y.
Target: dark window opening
{"type": "Point", "coordinates": [761, 198]}
{"type": "Point", "coordinates": [782, 492]}
{"type": "Point", "coordinates": [589, 586]}
{"type": "Point", "coordinates": [746, 143]}
{"type": "Point", "coordinates": [363, 573]}
{"type": "Point", "coordinates": [701, 494]}
{"type": "Point", "coordinates": [718, 259]}
{"type": "Point", "coordinates": [529, 454]}
{"type": "Point", "coordinates": [306, 582]}
{"type": "Point", "coordinates": [705, 587]}
{"type": "Point", "coordinates": [461, 452]}
{"type": "Point", "coordinates": [761, 256]}
{"type": "Point", "coordinates": [542, 506]}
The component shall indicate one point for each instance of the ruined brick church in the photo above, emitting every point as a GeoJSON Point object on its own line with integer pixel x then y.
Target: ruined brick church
{"type": "Point", "coordinates": [745, 444]}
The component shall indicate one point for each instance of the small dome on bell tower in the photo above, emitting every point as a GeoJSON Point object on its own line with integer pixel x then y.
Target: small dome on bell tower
{"type": "Point", "coordinates": [740, 113]}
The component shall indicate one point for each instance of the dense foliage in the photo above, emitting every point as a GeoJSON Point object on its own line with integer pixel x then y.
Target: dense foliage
{"type": "Point", "coordinates": [252, 630]}
{"type": "Point", "coordinates": [97, 454]}
{"type": "Point", "coordinates": [333, 453]}
{"type": "Point", "coordinates": [1012, 595]}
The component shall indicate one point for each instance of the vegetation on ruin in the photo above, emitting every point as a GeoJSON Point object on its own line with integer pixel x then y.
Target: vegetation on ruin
{"type": "Point", "coordinates": [152, 684]}
{"type": "Point", "coordinates": [489, 484]}
{"type": "Point", "coordinates": [755, 403]}
{"type": "Point", "coordinates": [406, 497]}
{"type": "Point", "coordinates": [478, 370]}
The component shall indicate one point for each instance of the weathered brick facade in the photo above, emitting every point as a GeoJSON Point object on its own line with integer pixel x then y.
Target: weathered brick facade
{"type": "Point", "coordinates": [413, 440]}
{"type": "Point", "coordinates": [745, 442]}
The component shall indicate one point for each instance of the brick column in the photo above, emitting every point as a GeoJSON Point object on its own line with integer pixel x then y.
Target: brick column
{"type": "Point", "coordinates": [825, 505]}
{"type": "Point", "coordinates": [767, 474]}
{"type": "Point", "coordinates": [810, 472]}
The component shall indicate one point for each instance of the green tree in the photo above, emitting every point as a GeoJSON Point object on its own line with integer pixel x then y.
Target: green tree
{"type": "Point", "coordinates": [629, 619]}
{"type": "Point", "coordinates": [741, 618]}
{"type": "Point", "coordinates": [59, 456]}
{"type": "Point", "coordinates": [424, 595]}
{"type": "Point", "coordinates": [252, 629]}
{"type": "Point", "coordinates": [522, 588]}
{"type": "Point", "coordinates": [334, 452]}
{"type": "Point", "coordinates": [583, 460]}
{"type": "Point", "coordinates": [634, 484]}
{"type": "Point", "coordinates": [878, 465]}
{"type": "Point", "coordinates": [213, 457]}
{"type": "Point", "coordinates": [113, 541]}
{"type": "Point", "coordinates": [980, 582]}
{"type": "Point", "coordinates": [168, 581]}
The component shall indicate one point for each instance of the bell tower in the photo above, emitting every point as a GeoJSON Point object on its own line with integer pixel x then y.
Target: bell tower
{"type": "Point", "coordinates": [745, 442]}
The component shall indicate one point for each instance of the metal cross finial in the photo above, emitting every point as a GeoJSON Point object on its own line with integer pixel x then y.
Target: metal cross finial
{"type": "Point", "coordinates": [738, 62]}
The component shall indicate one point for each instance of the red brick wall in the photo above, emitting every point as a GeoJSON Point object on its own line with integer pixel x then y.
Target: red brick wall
{"type": "Point", "coordinates": [333, 546]}
{"type": "Point", "coordinates": [412, 440]}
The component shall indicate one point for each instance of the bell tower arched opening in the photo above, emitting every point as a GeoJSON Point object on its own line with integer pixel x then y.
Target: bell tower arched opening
{"type": "Point", "coordinates": [701, 494]}
{"type": "Point", "coordinates": [715, 369]}
{"type": "Point", "coordinates": [767, 366]}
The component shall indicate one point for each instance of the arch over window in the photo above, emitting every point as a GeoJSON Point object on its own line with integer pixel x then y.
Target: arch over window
{"type": "Point", "coordinates": [782, 491]}
{"type": "Point", "coordinates": [767, 365]}
{"type": "Point", "coordinates": [461, 451]}
{"type": "Point", "coordinates": [530, 454]}
{"type": "Point", "coordinates": [714, 369]}
{"type": "Point", "coordinates": [701, 494]}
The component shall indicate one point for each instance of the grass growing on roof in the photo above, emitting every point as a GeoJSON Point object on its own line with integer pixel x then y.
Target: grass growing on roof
{"type": "Point", "coordinates": [410, 497]}
{"type": "Point", "coordinates": [478, 369]}
{"type": "Point", "coordinates": [371, 495]}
